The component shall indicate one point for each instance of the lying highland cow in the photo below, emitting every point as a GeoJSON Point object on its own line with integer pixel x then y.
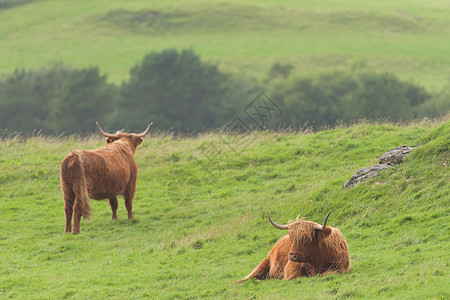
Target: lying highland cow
{"type": "Point", "coordinates": [309, 249]}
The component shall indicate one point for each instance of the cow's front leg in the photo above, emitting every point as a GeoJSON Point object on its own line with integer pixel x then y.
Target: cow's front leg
{"type": "Point", "coordinates": [114, 204]}
{"type": "Point", "coordinates": [129, 195]}
{"type": "Point", "coordinates": [129, 203]}
{"type": "Point", "coordinates": [328, 272]}
{"type": "Point", "coordinates": [295, 269]}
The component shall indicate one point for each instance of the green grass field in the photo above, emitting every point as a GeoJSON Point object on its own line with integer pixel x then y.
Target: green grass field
{"type": "Point", "coordinates": [200, 216]}
{"type": "Point", "coordinates": [408, 37]}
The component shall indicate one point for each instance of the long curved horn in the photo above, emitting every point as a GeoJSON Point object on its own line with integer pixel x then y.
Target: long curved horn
{"type": "Point", "coordinates": [322, 227]}
{"type": "Point", "coordinates": [145, 132]}
{"type": "Point", "coordinates": [275, 224]}
{"type": "Point", "coordinates": [104, 133]}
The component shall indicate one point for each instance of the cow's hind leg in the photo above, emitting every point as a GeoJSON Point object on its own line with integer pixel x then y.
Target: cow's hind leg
{"type": "Point", "coordinates": [69, 198]}
{"type": "Point", "coordinates": [77, 212]}
{"type": "Point", "coordinates": [260, 272]}
{"type": "Point", "coordinates": [114, 204]}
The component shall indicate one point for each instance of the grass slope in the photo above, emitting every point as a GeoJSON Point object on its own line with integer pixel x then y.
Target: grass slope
{"type": "Point", "coordinates": [200, 216]}
{"type": "Point", "coordinates": [408, 37]}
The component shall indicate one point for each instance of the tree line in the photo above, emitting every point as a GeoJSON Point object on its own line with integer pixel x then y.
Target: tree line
{"type": "Point", "coordinates": [181, 93]}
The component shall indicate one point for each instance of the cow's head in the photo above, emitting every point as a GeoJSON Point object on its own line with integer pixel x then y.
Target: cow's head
{"type": "Point", "coordinates": [306, 239]}
{"type": "Point", "coordinates": [135, 138]}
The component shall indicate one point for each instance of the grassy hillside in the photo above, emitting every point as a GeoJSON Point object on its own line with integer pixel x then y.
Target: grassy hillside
{"type": "Point", "coordinates": [407, 37]}
{"type": "Point", "coordinates": [200, 216]}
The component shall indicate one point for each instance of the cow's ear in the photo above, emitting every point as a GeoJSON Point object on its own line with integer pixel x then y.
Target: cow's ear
{"type": "Point", "coordinates": [139, 141]}
{"type": "Point", "coordinates": [109, 140]}
{"type": "Point", "coordinates": [324, 233]}
{"type": "Point", "coordinates": [327, 231]}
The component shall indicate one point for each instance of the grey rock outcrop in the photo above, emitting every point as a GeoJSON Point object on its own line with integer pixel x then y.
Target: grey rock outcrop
{"type": "Point", "coordinates": [387, 160]}
{"type": "Point", "coordinates": [364, 174]}
{"type": "Point", "coordinates": [395, 155]}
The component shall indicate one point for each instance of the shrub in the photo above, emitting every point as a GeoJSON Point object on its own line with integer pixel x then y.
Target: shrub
{"type": "Point", "coordinates": [54, 100]}
{"type": "Point", "coordinates": [177, 91]}
{"type": "Point", "coordinates": [344, 96]}
{"type": "Point", "coordinates": [83, 98]}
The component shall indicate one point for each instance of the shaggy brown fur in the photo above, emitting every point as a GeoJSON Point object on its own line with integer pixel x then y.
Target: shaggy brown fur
{"type": "Point", "coordinates": [99, 174]}
{"type": "Point", "coordinates": [305, 251]}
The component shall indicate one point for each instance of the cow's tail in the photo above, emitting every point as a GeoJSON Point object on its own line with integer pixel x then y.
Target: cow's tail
{"type": "Point", "coordinates": [78, 179]}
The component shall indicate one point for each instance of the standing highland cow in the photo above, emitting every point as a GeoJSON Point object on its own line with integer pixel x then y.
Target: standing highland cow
{"type": "Point", "coordinates": [309, 249]}
{"type": "Point", "coordinates": [100, 174]}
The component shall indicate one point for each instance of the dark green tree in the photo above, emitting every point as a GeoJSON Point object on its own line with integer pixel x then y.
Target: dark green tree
{"type": "Point", "coordinates": [16, 99]}
{"type": "Point", "coordinates": [59, 99]}
{"type": "Point", "coordinates": [330, 98]}
{"type": "Point", "coordinates": [381, 96]}
{"type": "Point", "coordinates": [314, 101]}
{"type": "Point", "coordinates": [177, 91]}
{"type": "Point", "coordinates": [25, 98]}
{"type": "Point", "coordinates": [82, 99]}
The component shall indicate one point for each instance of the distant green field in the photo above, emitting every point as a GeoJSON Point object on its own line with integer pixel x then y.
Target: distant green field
{"type": "Point", "coordinates": [200, 216]}
{"type": "Point", "coordinates": [408, 38]}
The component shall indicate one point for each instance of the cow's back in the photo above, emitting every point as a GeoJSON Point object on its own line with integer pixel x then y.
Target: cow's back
{"type": "Point", "coordinates": [335, 252]}
{"type": "Point", "coordinates": [108, 172]}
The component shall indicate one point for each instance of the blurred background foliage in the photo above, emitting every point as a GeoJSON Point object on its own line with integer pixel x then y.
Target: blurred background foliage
{"type": "Point", "coordinates": [183, 94]}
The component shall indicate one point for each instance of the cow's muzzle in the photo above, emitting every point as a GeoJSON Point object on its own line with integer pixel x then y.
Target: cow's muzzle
{"type": "Point", "coordinates": [297, 257]}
